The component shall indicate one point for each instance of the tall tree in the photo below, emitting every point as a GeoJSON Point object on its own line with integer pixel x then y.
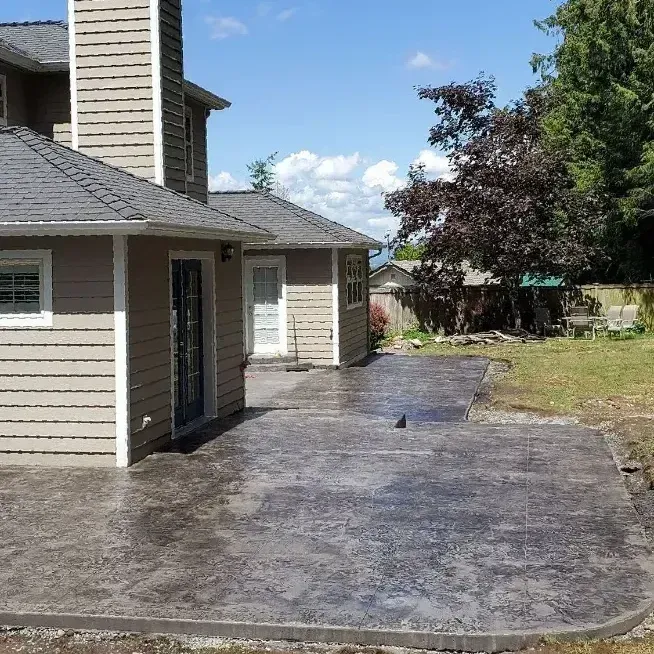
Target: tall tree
{"type": "Point", "coordinates": [509, 207]}
{"type": "Point", "coordinates": [409, 252]}
{"type": "Point", "coordinates": [262, 173]}
{"type": "Point", "coordinates": [600, 81]}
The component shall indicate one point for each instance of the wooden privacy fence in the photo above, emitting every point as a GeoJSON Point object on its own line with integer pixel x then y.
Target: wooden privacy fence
{"type": "Point", "coordinates": [480, 308]}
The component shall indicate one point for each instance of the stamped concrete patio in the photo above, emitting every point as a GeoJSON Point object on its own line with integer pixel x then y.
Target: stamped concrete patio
{"type": "Point", "coordinates": [324, 522]}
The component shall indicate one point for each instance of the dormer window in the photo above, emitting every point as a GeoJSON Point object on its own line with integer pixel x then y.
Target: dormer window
{"type": "Point", "coordinates": [188, 143]}
{"type": "Point", "coordinates": [3, 101]}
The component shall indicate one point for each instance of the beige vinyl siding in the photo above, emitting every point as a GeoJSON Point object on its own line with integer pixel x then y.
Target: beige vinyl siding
{"type": "Point", "coordinates": [198, 188]}
{"type": "Point", "coordinates": [57, 386]}
{"type": "Point", "coordinates": [308, 303]}
{"type": "Point", "coordinates": [172, 72]}
{"type": "Point", "coordinates": [17, 109]}
{"type": "Point", "coordinates": [353, 323]}
{"type": "Point", "coordinates": [149, 337]}
{"type": "Point", "coordinates": [114, 83]}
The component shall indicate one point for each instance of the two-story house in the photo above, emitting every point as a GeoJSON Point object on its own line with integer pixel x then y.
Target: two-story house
{"type": "Point", "coordinates": [127, 304]}
{"type": "Point", "coordinates": [121, 316]}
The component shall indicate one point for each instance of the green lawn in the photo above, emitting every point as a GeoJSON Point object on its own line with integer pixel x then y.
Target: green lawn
{"type": "Point", "coordinates": [607, 381]}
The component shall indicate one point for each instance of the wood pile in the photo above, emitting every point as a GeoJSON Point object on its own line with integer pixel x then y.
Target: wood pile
{"type": "Point", "coordinates": [494, 337]}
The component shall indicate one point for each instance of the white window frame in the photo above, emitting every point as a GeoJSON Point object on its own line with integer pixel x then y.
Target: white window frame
{"type": "Point", "coordinates": [190, 177]}
{"type": "Point", "coordinates": [3, 99]}
{"type": "Point", "coordinates": [358, 259]}
{"type": "Point", "coordinates": [45, 317]}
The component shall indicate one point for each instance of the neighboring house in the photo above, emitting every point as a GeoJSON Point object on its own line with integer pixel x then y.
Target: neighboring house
{"type": "Point", "coordinates": [396, 274]}
{"type": "Point", "coordinates": [121, 310]}
{"type": "Point", "coordinates": [307, 294]}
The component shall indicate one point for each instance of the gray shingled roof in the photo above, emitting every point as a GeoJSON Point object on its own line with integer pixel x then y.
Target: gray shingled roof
{"type": "Point", "coordinates": [45, 41]}
{"type": "Point", "coordinates": [43, 182]}
{"type": "Point", "coordinates": [292, 224]}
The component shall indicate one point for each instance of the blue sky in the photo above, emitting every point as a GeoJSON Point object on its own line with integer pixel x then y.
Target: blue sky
{"type": "Point", "coordinates": [329, 84]}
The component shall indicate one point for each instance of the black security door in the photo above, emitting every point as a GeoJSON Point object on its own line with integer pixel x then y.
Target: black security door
{"type": "Point", "coordinates": [188, 341]}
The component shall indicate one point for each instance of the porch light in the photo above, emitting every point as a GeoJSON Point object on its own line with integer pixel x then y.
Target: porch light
{"type": "Point", "coordinates": [227, 251]}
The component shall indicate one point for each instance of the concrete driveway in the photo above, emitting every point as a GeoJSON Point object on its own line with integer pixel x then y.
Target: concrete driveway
{"type": "Point", "coordinates": [318, 524]}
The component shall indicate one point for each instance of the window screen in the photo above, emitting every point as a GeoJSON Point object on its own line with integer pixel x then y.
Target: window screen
{"type": "Point", "coordinates": [20, 287]}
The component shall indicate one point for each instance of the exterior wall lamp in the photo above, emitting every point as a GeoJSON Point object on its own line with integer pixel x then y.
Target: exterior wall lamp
{"type": "Point", "coordinates": [227, 252]}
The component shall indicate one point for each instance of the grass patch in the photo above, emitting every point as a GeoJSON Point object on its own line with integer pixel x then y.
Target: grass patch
{"type": "Point", "coordinates": [605, 381]}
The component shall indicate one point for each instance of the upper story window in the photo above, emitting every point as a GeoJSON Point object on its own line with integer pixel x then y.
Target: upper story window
{"type": "Point", "coordinates": [354, 273]}
{"type": "Point", "coordinates": [3, 101]}
{"type": "Point", "coordinates": [188, 143]}
{"type": "Point", "coordinates": [26, 288]}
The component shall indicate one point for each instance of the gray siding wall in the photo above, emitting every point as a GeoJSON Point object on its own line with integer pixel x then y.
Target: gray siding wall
{"type": "Point", "coordinates": [353, 330]}
{"type": "Point", "coordinates": [172, 72]}
{"type": "Point", "coordinates": [199, 188]}
{"type": "Point", "coordinates": [48, 98]}
{"type": "Point", "coordinates": [308, 303]}
{"type": "Point", "coordinates": [17, 108]}
{"type": "Point", "coordinates": [149, 337]}
{"type": "Point", "coordinates": [114, 82]}
{"type": "Point", "coordinates": [57, 388]}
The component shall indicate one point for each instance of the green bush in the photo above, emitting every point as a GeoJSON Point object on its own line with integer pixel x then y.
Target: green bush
{"type": "Point", "coordinates": [416, 333]}
{"type": "Point", "coordinates": [638, 328]}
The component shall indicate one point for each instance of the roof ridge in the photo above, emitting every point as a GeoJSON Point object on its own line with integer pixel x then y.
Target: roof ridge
{"type": "Point", "coordinates": [23, 132]}
{"type": "Point", "coordinates": [54, 145]}
{"type": "Point", "coordinates": [333, 225]}
{"type": "Point", "coordinates": [30, 23]}
{"type": "Point", "coordinates": [236, 192]}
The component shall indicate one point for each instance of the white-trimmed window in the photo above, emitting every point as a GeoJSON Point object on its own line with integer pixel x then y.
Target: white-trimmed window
{"type": "Point", "coordinates": [25, 288]}
{"type": "Point", "coordinates": [354, 275]}
{"type": "Point", "coordinates": [3, 101]}
{"type": "Point", "coordinates": [188, 143]}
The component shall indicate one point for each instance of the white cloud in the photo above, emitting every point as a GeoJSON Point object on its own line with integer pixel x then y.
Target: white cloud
{"type": "Point", "coordinates": [285, 15]}
{"type": "Point", "coordinates": [344, 187]}
{"type": "Point", "coordinates": [383, 177]}
{"type": "Point", "coordinates": [224, 27]}
{"type": "Point", "coordinates": [421, 60]}
{"type": "Point", "coordinates": [435, 165]}
{"type": "Point", "coordinates": [226, 182]}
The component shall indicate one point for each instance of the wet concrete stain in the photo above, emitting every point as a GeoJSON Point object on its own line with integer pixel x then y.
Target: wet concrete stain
{"type": "Point", "coordinates": [317, 515]}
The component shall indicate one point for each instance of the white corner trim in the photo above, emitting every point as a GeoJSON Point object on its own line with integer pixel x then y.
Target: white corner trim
{"type": "Point", "coordinates": [335, 315]}
{"type": "Point", "coordinates": [157, 97]}
{"type": "Point", "coordinates": [121, 330]}
{"type": "Point", "coordinates": [45, 317]}
{"type": "Point", "coordinates": [72, 54]}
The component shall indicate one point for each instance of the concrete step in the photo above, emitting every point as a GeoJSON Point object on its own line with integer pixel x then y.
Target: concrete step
{"type": "Point", "coordinates": [277, 364]}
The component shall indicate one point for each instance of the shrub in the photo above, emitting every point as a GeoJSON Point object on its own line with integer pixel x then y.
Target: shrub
{"type": "Point", "coordinates": [379, 323]}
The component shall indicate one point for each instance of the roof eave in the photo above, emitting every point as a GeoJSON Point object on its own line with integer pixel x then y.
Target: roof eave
{"type": "Point", "coordinates": [205, 97]}
{"type": "Point", "coordinates": [277, 245]}
{"type": "Point", "coordinates": [123, 227]}
{"type": "Point", "coordinates": [13, 58]}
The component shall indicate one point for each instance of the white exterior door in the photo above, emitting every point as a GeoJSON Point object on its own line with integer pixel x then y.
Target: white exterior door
{"type": "Point", "coordinates": [266, 305]}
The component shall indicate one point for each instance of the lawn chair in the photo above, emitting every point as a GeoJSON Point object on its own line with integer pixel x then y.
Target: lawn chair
{"type": "Point", "coordinates": [579, 318]}
{"type": "Point", "coordinates": [543, 322]}
{"type": "Point", "coordinates": [626, 322]}
{"type": "Point", "coordinates": [612, 319]}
